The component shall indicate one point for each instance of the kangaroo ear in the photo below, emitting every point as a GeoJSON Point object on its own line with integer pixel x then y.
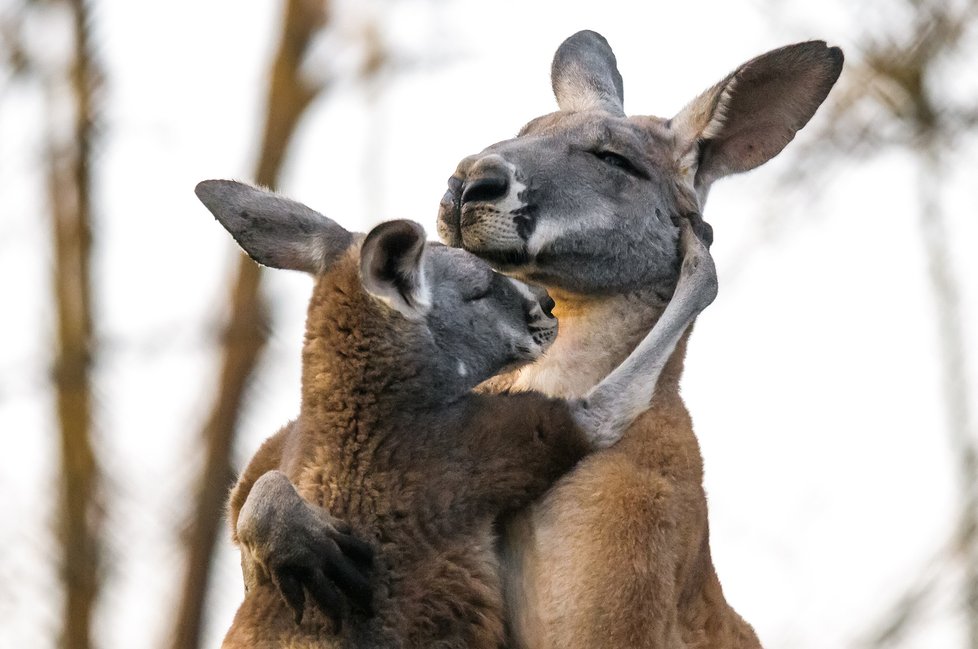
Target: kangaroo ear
{"type": "Point", "coordinates": [585, 75]}
{"type": "Point", "coordinates": [392, 267]}
{"type": "Point", "coordinates": [749, 117]}
{"type": "Point", "coordinates": [275, 231]}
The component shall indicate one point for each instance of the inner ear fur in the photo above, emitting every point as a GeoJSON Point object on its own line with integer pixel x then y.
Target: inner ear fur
{"type": "Point", "coordinates": [750, 116]}
{"type": "Point", "coordinates": [585, 76]}
{"type": "Point", "coordinates": [392, 267]}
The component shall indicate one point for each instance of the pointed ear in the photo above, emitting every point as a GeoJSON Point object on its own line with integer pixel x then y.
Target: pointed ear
{"type": "Point", "coordinates": [392, 267]}
{"type": "Point", "coordinates": [585, 75]}
{"type": "Point", "coordinates": [749, 117]}
{"type": "Point", "coordinates": [275, 231]}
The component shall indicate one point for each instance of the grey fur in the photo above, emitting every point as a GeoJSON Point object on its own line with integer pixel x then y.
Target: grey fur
{"type": "Point", "coordinates": [612, 406]}
{"type": "Point", "coordinates": [585, 75]}
{"type": "Point", "coordinates": [460, 293]}
{"type": "Point", "coordinates": [583, 202]}
{"type": "Point", "coordinates": [274, 230]}
{"type": "Point", "coordinates": [601, 192]}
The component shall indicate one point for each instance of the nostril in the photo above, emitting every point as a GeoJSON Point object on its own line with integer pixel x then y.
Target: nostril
{"type": "Point", "coordinates": [454, 184]}
{"type": "Point", "coordinates": [453, 196]}
{"type": "Point", "coordinates": [548, 304]}
{"type": "Point", "coordinates": [486, 188]}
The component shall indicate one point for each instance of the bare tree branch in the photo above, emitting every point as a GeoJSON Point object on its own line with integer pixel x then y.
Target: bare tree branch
{"type": "Point", "coordinates": [69, 179]}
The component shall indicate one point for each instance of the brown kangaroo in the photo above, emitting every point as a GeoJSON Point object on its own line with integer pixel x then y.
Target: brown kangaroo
{"type": "Point", "coordinates": [391, 438]}
{"type": "Point", "coordinates": [583, 202]}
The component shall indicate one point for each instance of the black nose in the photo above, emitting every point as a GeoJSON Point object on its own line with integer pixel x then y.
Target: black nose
{"type": "Point", "coordinates": [485, 188]}
{"type": "Point", "coordinates": [548, 304]}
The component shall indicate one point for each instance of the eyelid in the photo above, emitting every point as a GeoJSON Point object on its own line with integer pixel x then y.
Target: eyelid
{"type": "Point", "coordinates": [628, 167]}
{"type": "Point", "coordinates": [477, 295]}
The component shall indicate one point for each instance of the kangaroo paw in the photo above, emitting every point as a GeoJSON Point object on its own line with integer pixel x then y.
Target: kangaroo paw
{"type": "Point", "coordinates": [302, 549]}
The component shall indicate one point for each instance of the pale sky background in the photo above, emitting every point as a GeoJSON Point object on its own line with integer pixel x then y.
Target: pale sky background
{"type": "Point", "coordinates": [812, 380]}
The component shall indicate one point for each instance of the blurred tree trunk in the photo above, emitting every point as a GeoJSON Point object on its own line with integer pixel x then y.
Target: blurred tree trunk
{"type": "Point", "coordinates": [69, 187]}
{"type": "Point", "coordinates": [247, 331]}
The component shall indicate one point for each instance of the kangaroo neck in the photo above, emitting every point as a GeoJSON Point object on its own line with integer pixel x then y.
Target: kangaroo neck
{"type": "Point", "coordinates": [596, 334]}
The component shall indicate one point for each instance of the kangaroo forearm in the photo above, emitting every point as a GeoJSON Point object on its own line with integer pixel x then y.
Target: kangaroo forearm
{"type": "Point", "coordinates": [547, 444]}
{"type": "Point", "coordinates": [611, 406]}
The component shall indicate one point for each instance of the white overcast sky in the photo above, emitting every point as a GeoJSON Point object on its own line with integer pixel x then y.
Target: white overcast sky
{"type": "Point", "coordinates": [812, 380]}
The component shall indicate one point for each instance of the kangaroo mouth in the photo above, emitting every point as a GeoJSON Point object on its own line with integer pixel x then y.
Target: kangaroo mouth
{"type": "Point", "coordinates": [503, 260]}
{"type": "Point", "coordinates": [450, 219]}
{"type": "Point", "coordinates": [544, 334]}
{"type": "Point", "coordinates": [471, 229]}
{"type": "Point", "coordinates": [450, 232]}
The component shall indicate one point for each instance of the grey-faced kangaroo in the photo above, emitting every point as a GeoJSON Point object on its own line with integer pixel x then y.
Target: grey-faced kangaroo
{"type": "Point", "coordinates": [391, 438]}
{"type": "Point", "coordinates": [582, 201]}
{"type": "Point", "coordinates": [617, 553]}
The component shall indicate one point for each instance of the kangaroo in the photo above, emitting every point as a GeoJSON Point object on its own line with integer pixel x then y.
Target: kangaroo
{"type": "Point", "coordinates": [617, 553]}
{"type": "Point", "coordinates": [582, 201]}
{"type": "Point", "coordinates": [391, 438]}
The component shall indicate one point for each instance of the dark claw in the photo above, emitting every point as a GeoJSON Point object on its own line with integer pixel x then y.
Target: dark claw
{"type": "Point", "coordinates": [356, 549]}
{"type": "Point", "coordinates": [327, 598]}
{"type": "Point", "coordinates": [702, 229]}
{"type": "Point", "coordinates": [349, 578]}
{"type": "Point", "coordinates": [290, 587]}
{"type": "Point", "coordinates": [342, 527]}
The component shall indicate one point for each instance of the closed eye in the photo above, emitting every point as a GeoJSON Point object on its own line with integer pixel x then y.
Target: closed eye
{"type": "Point", "coordinates": [477, 295]}
{"type": "Point", "coordinates": [621, 162]}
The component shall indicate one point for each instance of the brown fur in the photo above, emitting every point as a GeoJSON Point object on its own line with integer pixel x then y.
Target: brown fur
{"type": "Point", "coordinates": [423, 485]}
{"type": "Point", "coordinates": [617, 553]}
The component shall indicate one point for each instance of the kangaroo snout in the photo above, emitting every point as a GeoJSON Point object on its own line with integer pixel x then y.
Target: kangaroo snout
{"type": "Point", "coordinates": [547, 305]}
{"type": "Point", "coordinates": [537, 296]}
{"type": "Point", "coordinates": [485, 209]}
{"type": "Point", "coordinates": [539, 313]}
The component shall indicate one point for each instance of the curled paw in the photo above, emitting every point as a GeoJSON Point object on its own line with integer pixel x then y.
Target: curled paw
{"type": "Point", "coordinates": [304, 550]}
{"type": "Point", "coordinates": [698, 270]}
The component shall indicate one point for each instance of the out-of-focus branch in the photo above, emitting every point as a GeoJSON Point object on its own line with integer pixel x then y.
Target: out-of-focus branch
{"type": "Point", "coordinates": [951, 341]}
{"type": "Point", "coordinates": [288, 97]}
{"type": "Point", "coordinates": [892, 96]}
{"type": "Point", "coordinates": [902, 615]}
{"type": "Point", "coordinates": [962, 550]}
{"type": "Point", "coordinates": [69, 180]}
{"type": "Point", "coordinates": [13, 59]}
{"type": "Point", "coordinates": [289, 94]}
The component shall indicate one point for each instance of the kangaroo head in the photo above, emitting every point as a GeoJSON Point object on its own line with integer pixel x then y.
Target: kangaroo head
{"type": "Point", "coordinates": [481, 321]}
{"type": "Point", "coordinates": [467, 321]}
{"type": "Point", "coordinates": [583, 199]}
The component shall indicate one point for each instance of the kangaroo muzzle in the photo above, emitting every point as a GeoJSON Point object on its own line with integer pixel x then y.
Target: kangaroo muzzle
{"type": "Point", "coordinates": [484, 210]}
